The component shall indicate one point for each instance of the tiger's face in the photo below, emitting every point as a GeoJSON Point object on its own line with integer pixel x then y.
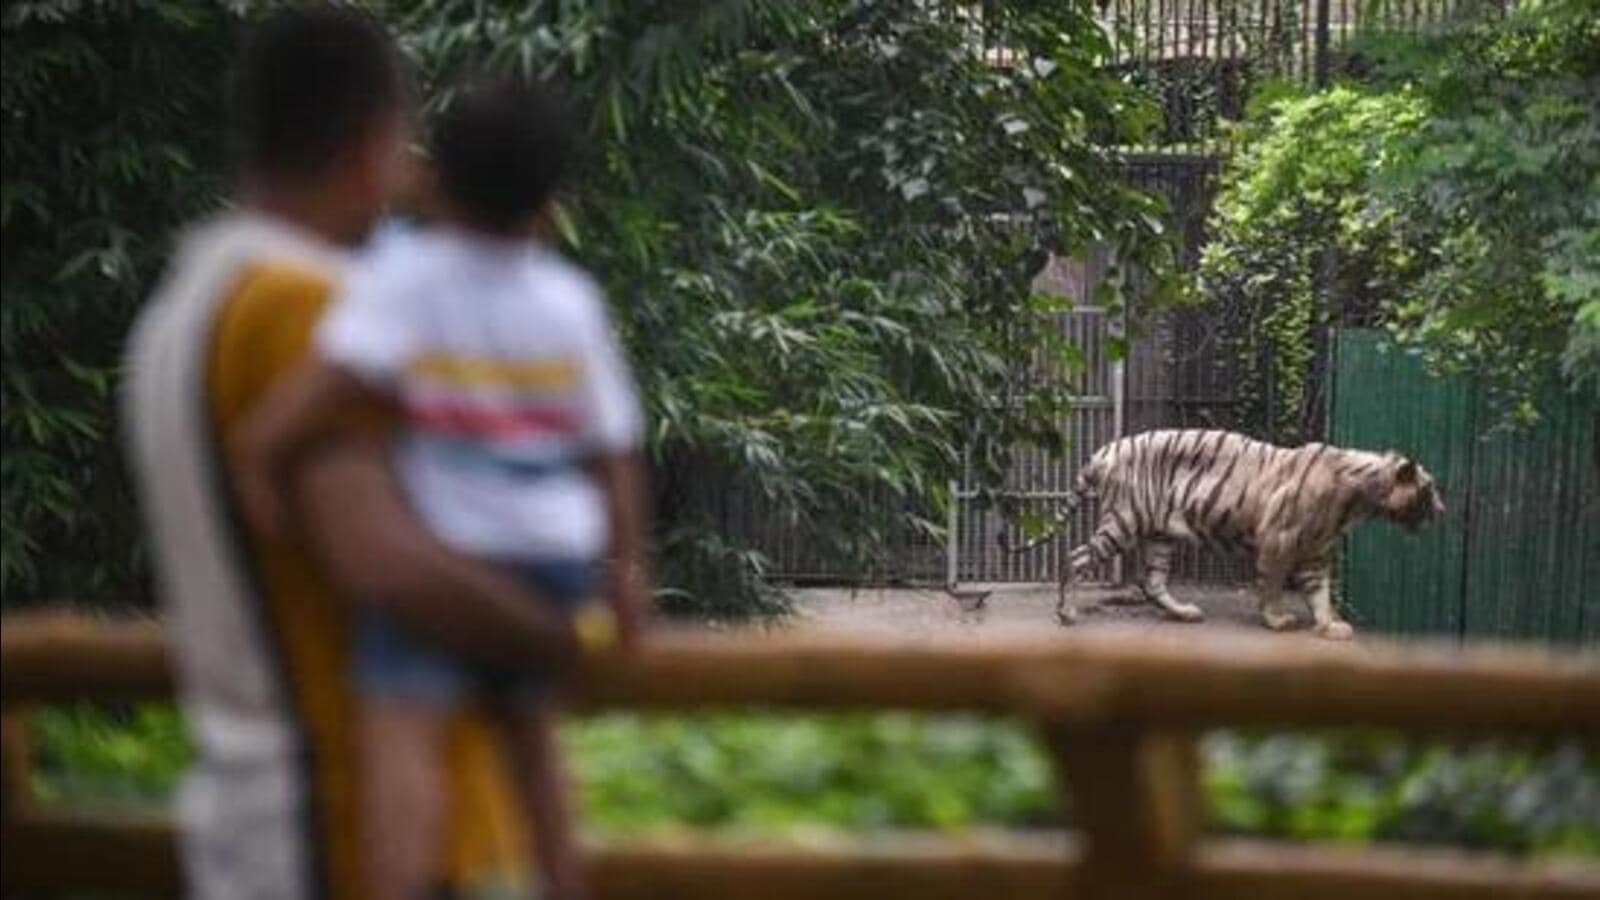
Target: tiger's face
{"type": "Point", "coordinates": [1414, 499]}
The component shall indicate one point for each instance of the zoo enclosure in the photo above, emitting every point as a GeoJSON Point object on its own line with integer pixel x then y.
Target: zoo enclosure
{"type": "Point", "coordinates": [1119, 713]}
{"type": "Point", "coordinates": [1202, 59]}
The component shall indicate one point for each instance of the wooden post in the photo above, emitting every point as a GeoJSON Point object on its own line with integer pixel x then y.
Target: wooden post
{"type": "Point", "coordinates": [1134, 793]}
{"type": "Point", "coordinates": [16, 765]}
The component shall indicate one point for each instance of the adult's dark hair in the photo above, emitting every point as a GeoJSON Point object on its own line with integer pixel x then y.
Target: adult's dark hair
{"type": "Point", "coordinates": [309, 79]}
{"type": "Point", "coordinates": [501, 148]}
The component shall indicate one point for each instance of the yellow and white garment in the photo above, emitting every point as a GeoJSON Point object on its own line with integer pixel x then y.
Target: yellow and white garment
{"type": "Point", "coordinates": [258, 640]}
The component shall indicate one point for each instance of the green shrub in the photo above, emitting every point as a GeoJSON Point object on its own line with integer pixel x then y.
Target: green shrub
{"type": "Point", "coordinates": [1510, 797]}
{"type": "Point", "coordinates": [132, 755]}
{"type": "Point", "coordinates": [1456, 196]}
{"type": "Point", "coordinates": [771, 773]}
{"type": "Point", "coordinates": [1297, 241]}
{"type": "Point", "coordinates": [782, 774]}
{"type": "Point", "coordinates": [112, 137]}
{"type": "Point", "coordinates": [818, 222]}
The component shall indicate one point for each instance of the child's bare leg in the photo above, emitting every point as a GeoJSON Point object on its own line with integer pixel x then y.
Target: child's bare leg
{"type": "Point", "coordinates": [403, 798]}
{"type": "Point", "coordinates": [542, 779]}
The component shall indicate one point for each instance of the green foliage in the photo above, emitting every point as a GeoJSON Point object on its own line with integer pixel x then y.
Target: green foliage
{"type": "Point", "coordinates": [110, 139]}
{"type": "Point", "coordinates": [90, 756]}
{"type": "Point", "coordinates": [1459, 197]}
{"type": "Point", "coordinates": [819, 223]}
{"type": "Point", "coordinates": [1294, 236]}
{"type": "Point", "coordinates": [776, 774]}
{"type": "Point", "coordinates": [1370, 787]}
{"type": "Point", "coordinates": [772, 774]}
{"type": "Point", "coordinates": [1580, 362]}
{"type": "Point", "coordinates": [1507, 172]}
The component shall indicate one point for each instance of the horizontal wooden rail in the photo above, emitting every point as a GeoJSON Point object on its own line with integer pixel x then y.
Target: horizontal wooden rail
{"type": "Point", "coordinates": [142, 852]}
{"type": "Point", "coordinates": [1203, 679]}
{"type": "Point", "coordinates": [1119, 712]}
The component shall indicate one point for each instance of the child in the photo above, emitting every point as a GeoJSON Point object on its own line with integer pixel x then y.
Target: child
{"type": "Point", "coordinates": [519, 443]}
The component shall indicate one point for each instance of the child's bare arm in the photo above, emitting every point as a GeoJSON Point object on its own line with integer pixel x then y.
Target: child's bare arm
{"type": "Point", "coordinates": [622, 477]}
{"type": "Point", "coordinates": [297, 412]}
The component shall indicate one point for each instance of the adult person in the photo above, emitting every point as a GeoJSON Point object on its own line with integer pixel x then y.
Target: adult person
{"type": "Point", "coordinates": [258, 628]}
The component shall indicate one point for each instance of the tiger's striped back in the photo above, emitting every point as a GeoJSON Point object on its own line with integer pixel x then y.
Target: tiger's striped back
{"type": "Point", "coordinates": [1198, 485]}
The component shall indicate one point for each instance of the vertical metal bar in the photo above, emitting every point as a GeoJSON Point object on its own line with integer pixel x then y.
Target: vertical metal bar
{"type": "Point", "coordinates": [1119, 419]}
{"type": "Point", "coordinates": [1468, 508]}
{"type": "Point", "coordinates": [1160, 44]}
{"type": "Point", "coordinates": [952, 542]}
{"type": "Point", "coordinates": [1194, 28]}
{"type": "Point", "coordinates": [1272, 19]}
{"type": "Point", "coordinates": [1225, 10]}
{"type": "Point", "coordinates": [1144, 37]}
{"type": "Point", "coordinates": [1322, 44]}
{"type": "Point", "coordinates": [1125, 23]}
{"type": "Point", "coordinates": [1304, 16]}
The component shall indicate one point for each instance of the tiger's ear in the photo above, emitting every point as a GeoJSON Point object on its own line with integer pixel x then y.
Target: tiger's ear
{"type": "Point", "coordinates": [1407, 472]}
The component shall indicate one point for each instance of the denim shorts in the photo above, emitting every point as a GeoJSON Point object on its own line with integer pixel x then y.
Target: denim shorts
{"type": "Point", "coordinates": [392, 663]}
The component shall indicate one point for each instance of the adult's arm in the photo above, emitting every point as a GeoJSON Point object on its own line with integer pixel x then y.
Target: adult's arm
{"type": "Point", "coordinates": [623, 478]}
{"type": "Point", "coordinates": [376, 551]}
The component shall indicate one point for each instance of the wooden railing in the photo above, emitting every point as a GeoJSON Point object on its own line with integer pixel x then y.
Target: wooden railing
{"type": "Point", "coordinates": [1120, 713]}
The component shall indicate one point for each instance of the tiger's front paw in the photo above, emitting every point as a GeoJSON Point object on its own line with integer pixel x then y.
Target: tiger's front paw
{"type": "Point", "coordinates": [1336, 631]}
{"type": "Point", "coordinates": [1186, 612]}
{"type": "Point", "coordinates": [1277, 619]}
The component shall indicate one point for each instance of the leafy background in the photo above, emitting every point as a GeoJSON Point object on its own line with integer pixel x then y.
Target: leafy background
{"type": "Point", "coordinates": [111, 118]}
{"type": "Point", "coordinates": [1453, 195]}
{"type": "Point", "coordinates": [818, 224]}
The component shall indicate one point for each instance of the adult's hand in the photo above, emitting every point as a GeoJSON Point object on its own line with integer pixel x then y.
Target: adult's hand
{"type": "Point", "coordinates": [376, 550]}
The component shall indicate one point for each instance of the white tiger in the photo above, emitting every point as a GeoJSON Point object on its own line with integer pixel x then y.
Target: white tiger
{"type": "Point", "coordinates": [1286, 507]}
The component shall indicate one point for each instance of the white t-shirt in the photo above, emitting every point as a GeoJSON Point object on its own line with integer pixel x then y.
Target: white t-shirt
{"type": "Point", "coordinates": [503, 360]}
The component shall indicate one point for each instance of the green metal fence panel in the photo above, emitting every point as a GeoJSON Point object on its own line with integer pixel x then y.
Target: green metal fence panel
{"type": "Point", "coordinates": [1533, 559]}
{"type": "Point", "coordinates": [1393, 580]}
{"type": "Point", "coordinates": [1518, 553]}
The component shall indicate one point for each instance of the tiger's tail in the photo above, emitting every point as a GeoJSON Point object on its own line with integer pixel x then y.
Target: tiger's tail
{"type": "Point", "coordinates": [1083, 488]}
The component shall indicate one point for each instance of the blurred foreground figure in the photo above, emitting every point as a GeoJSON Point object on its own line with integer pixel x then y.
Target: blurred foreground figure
{"type": "Point", "coordinates": [260, 626]}
{"type": "Point", "coordinates": [518, 443]}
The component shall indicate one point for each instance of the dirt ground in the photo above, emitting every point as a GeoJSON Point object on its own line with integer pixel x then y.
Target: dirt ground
{"type": "Point", "coordinates": [1014, 607]}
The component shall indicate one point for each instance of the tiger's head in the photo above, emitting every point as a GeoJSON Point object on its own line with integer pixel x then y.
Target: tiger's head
{"type": "Point", "coordinates": [1410, 496]}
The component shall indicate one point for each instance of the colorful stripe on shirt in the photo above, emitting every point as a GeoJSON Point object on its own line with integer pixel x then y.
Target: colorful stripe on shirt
{"type": "Point", "coordinates": [495, 400]}
{"type": "Point", "coordinates": [477, 372]}
{"type": "Point", "coordinates": [465, 420]}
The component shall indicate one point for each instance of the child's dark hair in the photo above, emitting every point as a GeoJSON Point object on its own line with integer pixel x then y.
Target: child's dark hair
{"type": "Point", "coordinates": [500, 149]}
{"type": "Point", "coordinates": [309, 79]}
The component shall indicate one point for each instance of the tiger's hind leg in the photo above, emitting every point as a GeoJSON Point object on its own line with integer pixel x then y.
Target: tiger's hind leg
{"type": "Point", "coordinates": [1079, 560]}
{"type": "Point", "coordinates": [1157, 565]}
{"type": "Point", "coordinates": [1065, 614]}
{"type": "Point", "coordinates": [1110, 539]}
